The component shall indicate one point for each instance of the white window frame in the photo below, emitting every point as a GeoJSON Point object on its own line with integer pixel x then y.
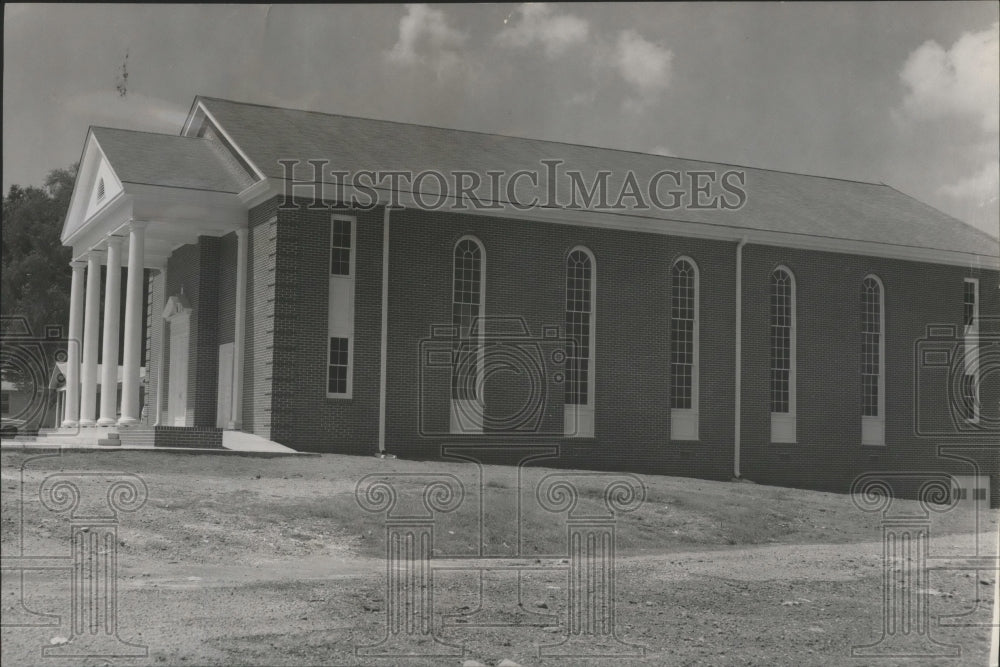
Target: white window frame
{"type": "Point", "coordinates": [971, 347]}
{"type": "Point", "coordinates": [784, 425]}
{"type": "Point", "coordinates": [459, 418]}
{"type": "Point", "coordinates": [578, 419]}
{"type": "Point", "coordinates": [974, 327]}
{"type": "Point", "coordinates": [873, 428]}
{"type": "Point", "coordinates": [340, 320]}
{"type": "Point", "coordinates": [684, 421]}
{"type": "Point", "coordinates": [354, 243]}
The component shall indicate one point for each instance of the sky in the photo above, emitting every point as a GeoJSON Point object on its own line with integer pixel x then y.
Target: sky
{"type": "Point", "coordinates": [904, 94]}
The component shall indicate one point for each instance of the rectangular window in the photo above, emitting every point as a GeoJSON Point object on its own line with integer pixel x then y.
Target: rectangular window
{"type": "Point", "coordinates": [338, 365]}
{"type": "Point", "coordinates": [971, 302]}
{"type": "Point", "coordinates": [5, 402]}
{"type": "Point", "coordinates": [970, 380]}
{"type": "Point", "coordinates": [341, 249]}
{"type": "Point", "coordinates": [340, 308]}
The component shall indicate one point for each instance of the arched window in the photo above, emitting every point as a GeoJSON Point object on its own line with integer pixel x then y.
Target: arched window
{"type": "Point", "coordinates": [783, 353]}
{"type": "Point", "coordinates": [468, 291]}
{"type": "Point", "coordinates": [100, 190]}
{"type": "Point", "coordinates": [872, 362]}
{"type": "Point", "coordinates": [580, 280]}
{"type": "Point", "coordinates": [684, 334]}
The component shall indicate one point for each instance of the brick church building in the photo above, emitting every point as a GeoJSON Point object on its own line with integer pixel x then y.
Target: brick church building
{"type": "Point", "coordinates": [657, 314]}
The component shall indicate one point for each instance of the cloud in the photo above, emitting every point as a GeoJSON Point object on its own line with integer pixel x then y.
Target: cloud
{"type": "Point", "coordinates": [426, 38]}
{"type": "Point", "coordinates": [960, 81]}
{"type": "Point", "coordinates": [982, 188]}
{"type": "Point", "coordinates": [645, 65]}
{"type": "Point", "coordinates": [537, 24]}
{"type": "Point", "coordinates": [107, 107]}
{"type": "Point", "coordinates": [976, 199]}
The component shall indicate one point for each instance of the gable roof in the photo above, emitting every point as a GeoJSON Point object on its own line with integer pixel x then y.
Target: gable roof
{"type": "Point", "coordinates": [777, 201]}
{"type": "Point", "coordinates": [169, 160]}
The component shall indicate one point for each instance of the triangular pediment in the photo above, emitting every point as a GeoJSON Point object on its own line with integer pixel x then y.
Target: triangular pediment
{"type": "Point", "coordinates": [96, 185]}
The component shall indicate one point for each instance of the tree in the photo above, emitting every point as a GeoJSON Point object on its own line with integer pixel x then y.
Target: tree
{"type": "Point", "coordinates": [36, 275]}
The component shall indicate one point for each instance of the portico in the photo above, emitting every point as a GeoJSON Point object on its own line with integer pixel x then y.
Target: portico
{"type": "Point", "coordinates": [138, 198]}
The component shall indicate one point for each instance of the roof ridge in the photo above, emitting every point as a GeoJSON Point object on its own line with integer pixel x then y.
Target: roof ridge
{"type": "Point", "coordinates": [532, 139]}
{"type": "Point", "coordinates": [125, 129]}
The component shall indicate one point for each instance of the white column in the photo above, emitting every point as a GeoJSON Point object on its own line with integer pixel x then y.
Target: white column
{"type": "Point", "coordinates": [71, 414]}
{"type": "Point", "coordinates": [91, 319]}
{"type": "Point", "coordinates": [133, 324]}
{"type": "Point", "coordinates": [240, 332]}
{"type": "Point", "coordinates": [112, 313]}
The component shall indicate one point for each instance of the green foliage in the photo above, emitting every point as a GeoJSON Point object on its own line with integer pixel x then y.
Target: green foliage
{"type": "Point", "coordinates": [35, 266]}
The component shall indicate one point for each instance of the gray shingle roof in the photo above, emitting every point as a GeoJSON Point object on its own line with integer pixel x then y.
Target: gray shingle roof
{"type": "Point", "coordinates": [777, 201]}
{"type": "Point", "coordinates": [171, 161]}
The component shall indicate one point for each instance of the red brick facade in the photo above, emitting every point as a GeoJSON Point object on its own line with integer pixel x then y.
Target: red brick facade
{"type": "Point", "coordinates": [287, 301]}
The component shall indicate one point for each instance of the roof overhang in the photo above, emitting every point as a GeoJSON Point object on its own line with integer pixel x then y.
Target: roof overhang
{"type": "Point", "coordinates": [173, 216]}
{"type": "Point", "coordinates": [637, 222]}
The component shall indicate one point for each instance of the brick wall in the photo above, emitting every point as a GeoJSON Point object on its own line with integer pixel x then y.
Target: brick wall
{"type": "Point", "coordinates": [829, 454]}
{"type": "Point", "coordinates": [303, 417]}
{"type": "Point", "coordinates": [525, 277]}
{"type": "Point", "coordinates": [257, 371]}
{"type": "Point", "coordinates": [185, 436]}
{"type": "Point", "coordinates": [195, 268]}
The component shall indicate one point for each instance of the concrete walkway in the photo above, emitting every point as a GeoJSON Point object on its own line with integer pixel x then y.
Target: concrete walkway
{"type": "Point", "coordinates": [233, 442]}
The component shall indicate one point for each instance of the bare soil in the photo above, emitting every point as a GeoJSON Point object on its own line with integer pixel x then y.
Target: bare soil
{"type": "Point", "coordinates": [239, 560]}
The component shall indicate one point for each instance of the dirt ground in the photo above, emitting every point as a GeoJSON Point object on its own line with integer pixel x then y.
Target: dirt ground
{"type": "Point", "coordinates": [239, 560]}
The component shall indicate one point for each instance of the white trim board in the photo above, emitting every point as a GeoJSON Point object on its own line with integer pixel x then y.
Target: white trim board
{"type": "Point", "coordinates": [670, 227]}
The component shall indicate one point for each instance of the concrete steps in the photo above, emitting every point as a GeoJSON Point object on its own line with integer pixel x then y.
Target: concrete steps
{"type": "Point", "coordinates": [137, 436]}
